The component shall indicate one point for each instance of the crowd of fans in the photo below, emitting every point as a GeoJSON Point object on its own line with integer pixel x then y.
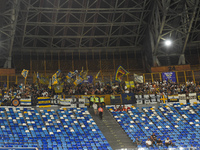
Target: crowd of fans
{"type": "Point", "coordinates": [153, 141]}
{"type": "Point", "coordinates": [167, 88]}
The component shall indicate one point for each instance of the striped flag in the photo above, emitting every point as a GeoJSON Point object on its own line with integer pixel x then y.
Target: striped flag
{"type": "Point", "coordinates": [44, 102]}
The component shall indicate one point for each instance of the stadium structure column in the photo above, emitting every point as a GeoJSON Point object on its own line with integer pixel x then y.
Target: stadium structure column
{"type": "Point", "coordinates": [9, 11]}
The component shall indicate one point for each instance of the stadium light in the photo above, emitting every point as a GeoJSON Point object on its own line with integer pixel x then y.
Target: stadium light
{"type": "Point", "coordinates": [168, 43]}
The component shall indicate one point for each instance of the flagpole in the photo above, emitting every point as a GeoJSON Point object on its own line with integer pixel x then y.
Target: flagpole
{"type": "Point", "coordinates": [25, 82]}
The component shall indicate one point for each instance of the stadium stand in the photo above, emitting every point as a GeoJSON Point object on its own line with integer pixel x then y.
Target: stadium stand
{"type": "Point", "coordinates": [50, 129]}
{"type": "Point", "coordinates": [178, 122]}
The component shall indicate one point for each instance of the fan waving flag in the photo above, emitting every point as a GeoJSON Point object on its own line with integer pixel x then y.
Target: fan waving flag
{"type": "Point", "coordinates": [120, 73]}
{"type": "Point", "coordinates": [54, 79]}
{"type": "Point", "coordinates": [24, 73]}
{"type": "Point", "coordinates": [97, 74]}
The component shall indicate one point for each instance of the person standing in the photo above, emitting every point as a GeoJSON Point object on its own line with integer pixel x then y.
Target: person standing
{"type": "Point", "coordinates": [91, 101]}
{"type": "Point", "coordinates": [96, 100]}
{"type": "Point", "coordinates": [102, 101]}
{"type": "Point", "coordinates": [100, 112]}
{"type": "Point", "coordinates": [95, 106]}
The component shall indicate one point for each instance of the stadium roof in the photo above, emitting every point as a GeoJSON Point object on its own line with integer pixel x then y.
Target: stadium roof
{"type": "Point", "coordinates": [98, 25]}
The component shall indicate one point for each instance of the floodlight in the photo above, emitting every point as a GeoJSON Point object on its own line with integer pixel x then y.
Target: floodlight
{"type": "Point", "coordinates": [168, 42]}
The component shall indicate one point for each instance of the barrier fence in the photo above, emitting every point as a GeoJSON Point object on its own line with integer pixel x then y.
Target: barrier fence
{"type": "Point", "coordinates": [119, 99]}
{"type": "Point", "coordinates": [181, 77]}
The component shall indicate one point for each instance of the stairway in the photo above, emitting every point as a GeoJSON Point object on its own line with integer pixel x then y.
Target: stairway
{"type": "Point", "coordinates": [112, 131]}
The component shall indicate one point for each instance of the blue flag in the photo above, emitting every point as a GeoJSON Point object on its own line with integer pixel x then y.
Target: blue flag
{"type": "Point", "coordinates": [128, 98]}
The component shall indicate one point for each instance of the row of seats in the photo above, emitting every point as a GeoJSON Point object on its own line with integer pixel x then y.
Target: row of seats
{"type": "Point", "coordinates": [178, 122]}
{"type": "Point", "coordinates": [71, 129]}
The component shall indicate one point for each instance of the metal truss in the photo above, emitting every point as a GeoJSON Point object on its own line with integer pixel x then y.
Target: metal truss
{"type": "Point", "coordinates": [176, 20]}
{"type": "Point", "coordinates": [81, 25]}
{"type": "Point", "coordinates": [8, 19]}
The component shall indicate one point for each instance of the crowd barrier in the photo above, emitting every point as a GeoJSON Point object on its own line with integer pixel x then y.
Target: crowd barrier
{"type": "Point", "coordinates": [119, 99]}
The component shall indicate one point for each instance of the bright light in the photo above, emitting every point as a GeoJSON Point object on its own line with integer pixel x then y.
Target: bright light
{"type": "Point", "coordinates": [181, 148]}
{"type": "Point", "coordinates": [140, 148]}
{"type": "Point", "coordinates": [168, 42]}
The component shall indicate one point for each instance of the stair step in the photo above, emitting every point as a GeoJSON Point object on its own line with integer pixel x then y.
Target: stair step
{"type": "Point", "coordinates": [112, 131]}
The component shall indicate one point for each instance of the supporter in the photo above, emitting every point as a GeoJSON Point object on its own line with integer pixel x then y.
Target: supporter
{"type": "Point", "coordinates": [168, 142]}
{"type": "Point", "coordinates": [149, 143]}
{"type": "Point", "coordinates": [153, 138]}
{"type": "Point", "coordinates": [95, 106]}
{"type": "Point", "coordinates": [120, 108]}
{"type": "Point", "coordinates": [138, 142]}
{"type": "Point", "coordinates": [165, 87]}
{"type": "Point", "coordinates": [100, 112]}
{"type": "Point", "coordinates": [159, 142]}
{"type": "Point", "coordinates": [124, 108]}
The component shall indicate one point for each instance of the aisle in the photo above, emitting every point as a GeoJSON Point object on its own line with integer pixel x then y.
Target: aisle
{"type": "Point", "coordinates": [114, 134]}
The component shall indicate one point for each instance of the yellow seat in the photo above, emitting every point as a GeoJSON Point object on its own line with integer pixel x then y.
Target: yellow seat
{"type": "Point", "coordinates": [181, 103]}
{"type": "Point", "coordinates": [195, 103]}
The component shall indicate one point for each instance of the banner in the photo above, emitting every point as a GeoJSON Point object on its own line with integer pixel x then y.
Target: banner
{"type": "Point", "coordinates": [158, 97]}
{"type": "Point", "coordinates": [44, 102]}
{"type": "Point", "coordinates": [130, 84]}
{"type": "Point", "coordinates": [169, 76]}
{"type": "Point", "coordinates": [65, 102]}
{"type": "Point", "coordinates": [139, 99]}
{"type": "Point", "coordinates": [128, 98]}
{"type": "Point", "coordinates": [198, 97]}
{"type": "Point", "coordinates": [89, 79]}
{"type": "Point", "coordinates": [15, 102]}
{"type": "Point", "coordinates": [25, 101]}
{"type": "Point", "coordinates": [138, 78]}
{"type": "Point", "coordinates": [146, 99]}
{"type": "Point", "coordinates": [192, 97]}
{"type": "Point", "coordinates": [182, 98]}
{"type": "Point", "coordinates": [173, 98]}
{"type": "Point", "coordinates": [153, 98]}
{"type": "Point", "coordinates": [116, 100]}
{"type": "Point", "coordinates": [77, 102]}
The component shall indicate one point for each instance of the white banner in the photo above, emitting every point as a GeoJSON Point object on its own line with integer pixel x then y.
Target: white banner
{"type": "Point", "coordinates": [146, 97]}
{"type": "Point", "coordinates": [81, 102]}
{"type": "Point", "coordinates": [182, 98]}
{"type": "Point", "coordinates": [192, 97]}
{"type": "Point", "coordinates": [139, 101]}
{"type": "Point", "coordinates": [158, 98]}
{"type": "Point", "coordinates": [65, 102]}
{"type": "Point", "coordinates": [173, 98]}
{"type": "Point", "coordinates": [147, 101]}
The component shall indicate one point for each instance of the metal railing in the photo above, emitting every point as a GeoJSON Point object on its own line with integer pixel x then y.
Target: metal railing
{"type": "Point", "coordinates": [181, 77]}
